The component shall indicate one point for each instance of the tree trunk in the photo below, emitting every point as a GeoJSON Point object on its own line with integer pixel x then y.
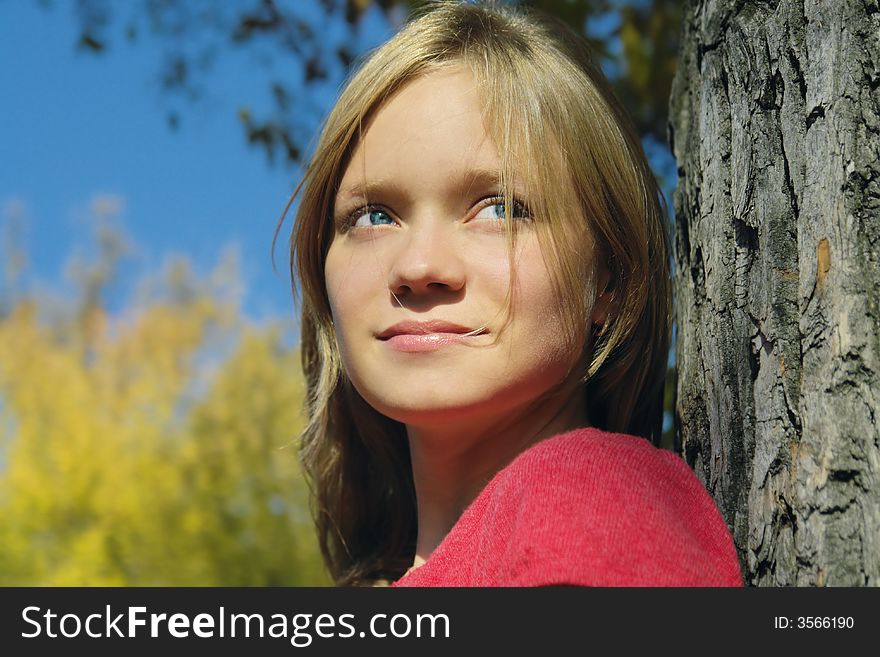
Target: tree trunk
{"type": "Point", "coordinates": [775, 123]}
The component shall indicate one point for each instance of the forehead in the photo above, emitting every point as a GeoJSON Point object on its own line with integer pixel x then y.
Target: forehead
{"type": "Point", "coordinates": [430, 130]}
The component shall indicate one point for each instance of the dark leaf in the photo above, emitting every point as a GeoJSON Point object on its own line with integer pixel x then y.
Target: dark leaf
{"type": "Point", "coordinates": [292, 151]}
{"type": "Point", "coordinates": [281, 96]}
{"type": "Point", "coordinates": [90, 43]}
{"type": "Point", "coordinates": [304, 31]}
{"type": "Point", "coordinates": [345, 57]}
{"type": "Point", "coordinates": [265, 19]}
{"type": "Point", "coordinates": [175, 73]}
{"type": "Point", "coordinates": [315, 69]}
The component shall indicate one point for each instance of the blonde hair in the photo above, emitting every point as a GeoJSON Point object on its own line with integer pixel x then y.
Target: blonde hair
{"type": "Point", "coordinates": [546, 106]}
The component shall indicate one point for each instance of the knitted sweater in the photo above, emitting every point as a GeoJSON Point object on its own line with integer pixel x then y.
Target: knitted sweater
{"type": "Point", "coordinates": [587, 508]}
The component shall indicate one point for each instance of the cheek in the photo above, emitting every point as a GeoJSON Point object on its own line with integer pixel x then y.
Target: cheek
{"type": "Point", "coordinates": [535, 291]}
{"type": "Point", "coordinates": [342, 283]}
{"type": "Point", "coordinates": [356, 285]}
{"type": "Point", "coordinates": [348, 280]}
{"type": "Point", "coordinates": [540, 312]}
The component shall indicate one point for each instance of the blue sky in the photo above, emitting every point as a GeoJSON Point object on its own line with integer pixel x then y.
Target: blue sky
{"type": "Point", "coordinates": [81, 133]}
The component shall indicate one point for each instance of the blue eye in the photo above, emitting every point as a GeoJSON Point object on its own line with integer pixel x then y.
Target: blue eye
{"type": "Point", "coordinates": [371, 217]}
{"type": "Point", "coordinates": [495, 210]}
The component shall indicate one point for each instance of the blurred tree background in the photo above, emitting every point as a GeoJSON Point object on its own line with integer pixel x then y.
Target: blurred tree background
{"type": "Point", "coordinates": [155, 445]}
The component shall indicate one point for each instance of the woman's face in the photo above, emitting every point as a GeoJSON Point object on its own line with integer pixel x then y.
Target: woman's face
{"type": "Point", "coordinates": [420, 257]}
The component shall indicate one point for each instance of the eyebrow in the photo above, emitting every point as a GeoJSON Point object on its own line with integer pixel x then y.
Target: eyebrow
{"type": "Point", "coordinates": [472, 178]}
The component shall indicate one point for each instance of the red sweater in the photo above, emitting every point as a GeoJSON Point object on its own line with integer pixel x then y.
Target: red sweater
{"type": "Point", "coordinates": [587, 508]}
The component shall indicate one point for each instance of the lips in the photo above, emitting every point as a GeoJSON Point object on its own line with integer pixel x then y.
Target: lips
{"type": "Point", "coordinates": [435, 326]}
{"type": "Point", "coordinates": [419, 337]}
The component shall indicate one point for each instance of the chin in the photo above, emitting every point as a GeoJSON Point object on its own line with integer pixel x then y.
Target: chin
{"type": "Point", "coordinates": [430, 411]}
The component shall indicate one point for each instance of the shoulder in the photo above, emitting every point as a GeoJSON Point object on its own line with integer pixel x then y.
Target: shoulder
{"type": "Point", "coordinates": [597, 508]}
{"type": "Point", "coordinates": [604, 469]}
{"type": "Point", "coordinates": [582, 451]}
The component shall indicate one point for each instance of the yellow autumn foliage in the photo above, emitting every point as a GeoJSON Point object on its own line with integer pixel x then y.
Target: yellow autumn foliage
{"type": "Point", "coordinates": [155, 447]}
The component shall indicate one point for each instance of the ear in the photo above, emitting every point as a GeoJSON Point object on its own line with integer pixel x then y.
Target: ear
{"type": "Point", "coordinates": [602, 306]}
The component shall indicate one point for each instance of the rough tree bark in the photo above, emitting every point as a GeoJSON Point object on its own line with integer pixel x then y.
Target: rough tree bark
{"type": "Point", "coordinates": [775, 123]}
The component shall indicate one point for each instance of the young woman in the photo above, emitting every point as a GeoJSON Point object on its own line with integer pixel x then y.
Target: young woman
{"type": "Point", "coordinates": [485, 323]}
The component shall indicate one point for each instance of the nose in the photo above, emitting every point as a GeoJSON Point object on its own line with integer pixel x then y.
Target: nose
{"type": "Point", "coordinates": [426, 261]}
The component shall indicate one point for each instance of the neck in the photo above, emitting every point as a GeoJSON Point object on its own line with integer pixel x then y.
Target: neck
{"type": "Point", "coordinates": [453, 462]}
